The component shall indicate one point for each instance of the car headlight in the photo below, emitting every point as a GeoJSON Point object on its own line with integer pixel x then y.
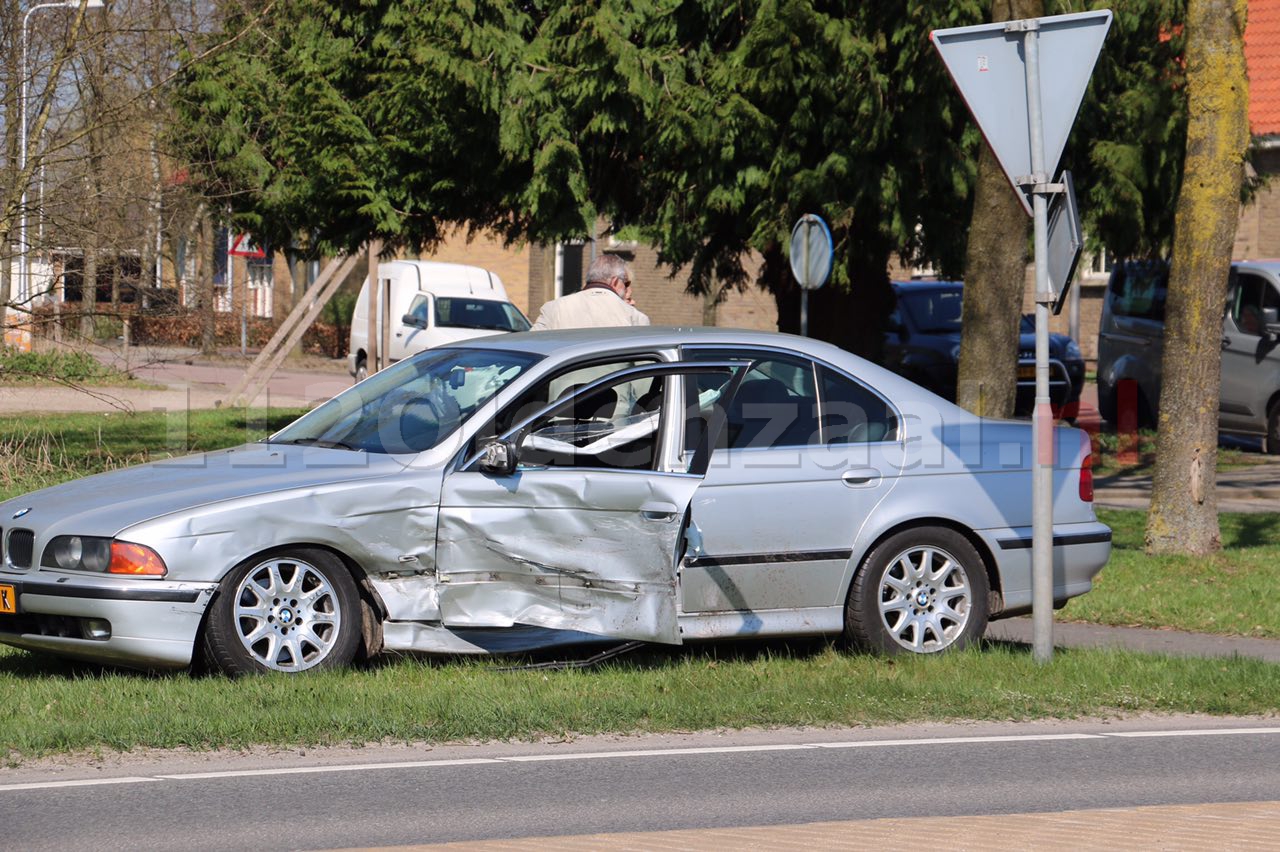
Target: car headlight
{"type": "Point", "coordinates": [102, 556]}
{"type": "Point", "coordinates": [1073, 351]}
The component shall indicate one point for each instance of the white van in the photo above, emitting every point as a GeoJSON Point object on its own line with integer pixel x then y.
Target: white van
{"type": "Point", "coordinates": [432, 304]}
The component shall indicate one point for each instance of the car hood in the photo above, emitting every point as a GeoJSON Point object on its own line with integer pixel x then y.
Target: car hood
{"type": "Point", "coordinates": [109, 502]}
{"type": "Point", "coordinates": [1057, 345]}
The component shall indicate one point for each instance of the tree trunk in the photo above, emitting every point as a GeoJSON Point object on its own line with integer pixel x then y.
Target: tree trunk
{"type": "Point", "coordinates": [89, 287]}
{"type": "Point", "coordinates": [1184, 505]}
{"type": "Point", "coordinates": [208, 288]}
{"type": "Point", "coordinates": [152, 226]}
{"type": "Point", "coordinates": [994, 275]}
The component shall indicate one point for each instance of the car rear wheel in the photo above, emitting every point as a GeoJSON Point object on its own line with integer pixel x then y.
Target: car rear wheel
{"type": "Point", "coordinates": [1272, 443]}
{"type": "Point", "coordinates": [921, 591]}
{"type": "Point", "coordinates": [289, 612]}
{"type": "Point", "coordinates": [362, 370]}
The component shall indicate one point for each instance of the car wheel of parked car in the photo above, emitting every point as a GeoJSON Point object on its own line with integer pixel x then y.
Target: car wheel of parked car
{"type": "Point", "coordinates": [288, 612]}
{"type": "Point", "coordinates": [1272, 443]}
{"type": "Point", "coordinates": [362, 370]}
{"type": "Point", "coordinates": [920, 591]}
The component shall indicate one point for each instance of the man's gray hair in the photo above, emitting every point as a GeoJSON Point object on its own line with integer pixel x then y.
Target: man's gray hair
{"type": "Point", "coordinates": [607, 266]}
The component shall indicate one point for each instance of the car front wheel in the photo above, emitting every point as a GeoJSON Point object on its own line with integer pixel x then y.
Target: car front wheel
{"type": "Point", "coordinates": [921, 591]}
{"type": "Point", "coordinates": [289, 612]}
{"type": "Point", "coordinates": [1272, 443]}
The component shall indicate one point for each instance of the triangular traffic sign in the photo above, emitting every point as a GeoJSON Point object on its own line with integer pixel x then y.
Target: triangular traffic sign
{"type": "Point", "coordinates": [243, 246]}
{"type": "Point", "coordinates": [987, 64]}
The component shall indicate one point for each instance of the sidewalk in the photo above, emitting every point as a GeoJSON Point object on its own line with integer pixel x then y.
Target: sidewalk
{"type": "Point", "coordinates": [1243, 825]}
{"type": "Point", "coordinates": [1177, 643]}
{"type": "Point", "coordinates": [1249, 489]}
{"type": "Point", "coordinates": [182, 379]}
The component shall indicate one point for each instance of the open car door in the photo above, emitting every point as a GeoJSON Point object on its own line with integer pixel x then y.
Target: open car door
{"type": "Point", "coordinates": [572, 519]}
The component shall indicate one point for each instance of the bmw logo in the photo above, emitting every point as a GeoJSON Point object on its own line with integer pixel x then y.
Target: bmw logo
{"type": "Point", "coordinates": [922, 598]}
{"type": "Point", "coordinates": [21, 512]}
{"type": "Point", "coordinates": [286, 616]}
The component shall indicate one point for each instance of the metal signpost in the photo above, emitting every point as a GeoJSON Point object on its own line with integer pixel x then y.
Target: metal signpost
{"type": "Point", "coordinates": [811, 255]}
{"type": "Point", "coordinates": [1006, 72]}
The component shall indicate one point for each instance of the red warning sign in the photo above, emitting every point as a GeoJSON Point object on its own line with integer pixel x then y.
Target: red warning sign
{"type": "Point", "coordinates": [243, 246]}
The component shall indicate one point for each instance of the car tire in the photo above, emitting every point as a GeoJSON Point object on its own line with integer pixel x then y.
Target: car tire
{"type": "Point", "coordinates": [362, 370]}
{"type": "Point", "coordinates": [1272, 443]}
{"type": "Point", "coordinates": [289, 611]}
{"type": "Point", "coordinates": [922, 590]}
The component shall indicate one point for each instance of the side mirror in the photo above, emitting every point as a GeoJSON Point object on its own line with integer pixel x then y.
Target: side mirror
{"type": "Point", "coordinates": [498, 458]}
{"type": "Point", "coordinates": [416, 322]}
{"type": "Point", "coordinates": [457, 377]}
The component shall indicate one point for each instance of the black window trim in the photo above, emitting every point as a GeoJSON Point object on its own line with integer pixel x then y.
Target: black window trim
{"type": "Point", "coordinates": [467, 454]}
{"type": "Point", "coordinates": [759, 347]}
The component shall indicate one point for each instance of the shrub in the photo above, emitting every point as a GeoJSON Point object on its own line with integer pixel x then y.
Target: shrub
{"type": "Point", "coordinates": [53, 366]}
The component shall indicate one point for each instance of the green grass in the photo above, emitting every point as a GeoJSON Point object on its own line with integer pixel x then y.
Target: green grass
{"type": "Point", "coordinates": [36, 452]}
{"type": "Point", "coordinates": [1228, 592]}
{"type": "Point", "coordinates": [49, 706]}
{"type": "Point", "coordinates": [57, 367]}
{"type": "Point", "coordinates": [1122, 455]}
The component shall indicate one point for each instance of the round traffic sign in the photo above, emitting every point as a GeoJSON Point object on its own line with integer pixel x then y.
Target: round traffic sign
{"type": "Point", "coordinates": [811, 252]}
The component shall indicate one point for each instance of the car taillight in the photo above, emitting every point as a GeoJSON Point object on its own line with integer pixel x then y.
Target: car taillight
{"type": "Point", "coordinates": [1086, 478]}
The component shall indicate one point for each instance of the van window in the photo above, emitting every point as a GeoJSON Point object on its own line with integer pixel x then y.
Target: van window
{"type": "Point", "coordinates": [1139, 289]}
{"type": "Point", "coordinates": [1253, 297]}
{"type": "Point", "coordinates": [454, 312]}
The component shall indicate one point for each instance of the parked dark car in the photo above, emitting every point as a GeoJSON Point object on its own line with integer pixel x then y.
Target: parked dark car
{"type": "Point", "coordinates": [923, 344]}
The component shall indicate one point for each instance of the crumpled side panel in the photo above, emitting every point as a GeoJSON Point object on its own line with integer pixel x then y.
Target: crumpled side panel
{"type": "Point", "coordinates": [591, 551]}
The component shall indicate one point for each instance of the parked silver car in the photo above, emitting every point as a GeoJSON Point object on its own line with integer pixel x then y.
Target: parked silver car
{"type": "Point", "coordinates": [532, 489]}
{"type": "Point", "coordinates": [1131, 346]}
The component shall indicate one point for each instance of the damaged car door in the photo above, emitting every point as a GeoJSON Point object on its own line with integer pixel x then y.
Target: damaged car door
{"type": "Point", "coordinates": [571, 520]}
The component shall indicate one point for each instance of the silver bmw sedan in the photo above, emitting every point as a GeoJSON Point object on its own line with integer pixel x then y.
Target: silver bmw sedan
{"type": "Point", "coordinates": [548, 488]}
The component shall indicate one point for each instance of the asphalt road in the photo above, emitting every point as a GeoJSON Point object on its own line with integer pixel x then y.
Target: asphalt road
{"type": "Point", "coordinates": [380, 797]}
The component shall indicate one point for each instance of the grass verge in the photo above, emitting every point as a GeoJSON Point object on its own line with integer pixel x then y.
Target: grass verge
{"type": "Point", "coordinates": [1135, 455]}
{"type": "Point", "coordinates": [48, 706]}
{"type": "Point", "coordinates": [36, 453]}
{"type": "Point", "coordinates": [57, 367]}
{"type": "Point", "coordinates": [1208, 594]}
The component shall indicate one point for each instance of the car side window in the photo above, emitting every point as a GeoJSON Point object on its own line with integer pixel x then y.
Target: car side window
{"type": "Point", "coordinates": [1139, 289]}
{"type": "Point", "coordinates": [1254, 303]}
{"type": "Point", "coordinates": [851, 413]}
{"type": "Point", "coordinates": [592, 417]}
{"type": "Point", "coordinates": [775, 406]}
{"type": "Point", "coordinates": [614, 427]}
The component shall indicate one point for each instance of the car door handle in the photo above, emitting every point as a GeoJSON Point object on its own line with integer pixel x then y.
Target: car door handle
{"type": "Point", "coordinates": [862, 477]}
{"type": "Point", "coordinates": [658, 511]}
{"type": "Point", "coordinates": [1226, 342]}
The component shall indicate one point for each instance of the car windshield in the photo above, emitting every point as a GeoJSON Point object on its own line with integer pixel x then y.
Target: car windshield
{"type": "Point", "coordinates": [411, 406]}
{"type": "Point", "coordinates": [934, 311]}
{"type": "Point", "coordinates": [454, 312]}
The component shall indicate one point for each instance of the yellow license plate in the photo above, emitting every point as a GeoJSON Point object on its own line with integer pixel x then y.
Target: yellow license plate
{"type": "Point", "coordinates": [1026, 371]}
{"type": "Point", "coordinates": [8, 599]}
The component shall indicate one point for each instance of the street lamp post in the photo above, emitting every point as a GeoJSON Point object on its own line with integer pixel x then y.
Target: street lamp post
{"type": "Point", "coordinates": [24, 272]}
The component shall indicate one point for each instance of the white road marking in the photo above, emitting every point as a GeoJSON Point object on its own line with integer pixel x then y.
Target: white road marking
{"type": "Point", "coordinates": [87, 782]}
{"type": "Point", "coordinates": [664, 752]}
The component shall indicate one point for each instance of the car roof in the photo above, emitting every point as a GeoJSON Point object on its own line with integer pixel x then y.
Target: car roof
{"type": "Point", "coordinates": [1271, 265]}
{"type": "Point", "coordinates": [584, 341]}
{"type": "Point", "coordinates": [919, 286]}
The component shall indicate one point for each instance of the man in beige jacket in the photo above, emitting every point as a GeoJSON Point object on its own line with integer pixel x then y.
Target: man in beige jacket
{"type": "Point", "coordinates": [604, 301]}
